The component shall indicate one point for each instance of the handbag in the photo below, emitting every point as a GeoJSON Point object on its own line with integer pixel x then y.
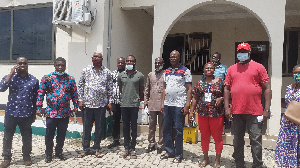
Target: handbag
{"type": "Point", "coordinates": [292, 112]}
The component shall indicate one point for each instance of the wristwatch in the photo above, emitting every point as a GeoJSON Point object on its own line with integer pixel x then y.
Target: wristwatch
{"type": "Point", "coordinates": [267, 111]}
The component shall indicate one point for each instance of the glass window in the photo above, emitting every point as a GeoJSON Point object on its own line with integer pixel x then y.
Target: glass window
{"type": "Point", "coordinates": [5, 36]}
{"type": "Point", "coordinates": [32, 35]}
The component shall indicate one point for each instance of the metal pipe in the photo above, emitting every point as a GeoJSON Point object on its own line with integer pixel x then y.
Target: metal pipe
{"type": "Point", "coordinates": [109, 33]}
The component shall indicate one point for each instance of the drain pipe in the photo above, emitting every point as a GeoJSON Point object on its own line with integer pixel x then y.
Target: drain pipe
{"type": "Point", "coordinates": [109, 33]}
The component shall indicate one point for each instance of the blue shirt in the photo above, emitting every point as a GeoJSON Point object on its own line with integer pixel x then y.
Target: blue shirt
{"type": "Point", "coordinates": [22, 95]}
{"type": "Point", "coordinates": [221, 71]}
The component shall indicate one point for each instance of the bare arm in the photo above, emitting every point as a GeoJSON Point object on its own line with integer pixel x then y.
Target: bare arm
{"type": "Point", "coordinates": [163, 99]}
{"type": "Point", "coordinates": [228, 113]}
{"type": "Point", "coordinates": [189, 98]}
{"type": "Point", "coordinates": [268, 96]}
{"type": "Point", "coordinates": [141, 89]}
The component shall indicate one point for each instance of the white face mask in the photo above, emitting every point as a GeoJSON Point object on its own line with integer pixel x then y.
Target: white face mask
{"type": "Point", "coordinates": [242, 56]}
{"type": "Point", "coordinates": [129, 67]}
{"type": "Point", "coordinates": [60, 73]}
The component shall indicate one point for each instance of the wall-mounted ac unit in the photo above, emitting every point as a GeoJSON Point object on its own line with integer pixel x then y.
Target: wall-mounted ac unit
{"type": "Point", "coordinates": [73, 12]}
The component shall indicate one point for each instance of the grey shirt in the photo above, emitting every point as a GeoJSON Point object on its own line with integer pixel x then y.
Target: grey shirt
{"type": "Point", "coordinates": [131, 84]}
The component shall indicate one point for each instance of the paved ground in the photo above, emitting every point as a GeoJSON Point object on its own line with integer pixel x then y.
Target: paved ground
{"type": "Point", "coordinates": [192, 154]}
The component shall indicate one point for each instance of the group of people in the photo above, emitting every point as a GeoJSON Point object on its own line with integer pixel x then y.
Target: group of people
{"type": "Point", "coordinates": [167, 95]}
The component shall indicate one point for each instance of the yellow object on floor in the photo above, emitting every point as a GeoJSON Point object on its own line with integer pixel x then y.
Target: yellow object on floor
{"type": "Point", "coordinates": [190, 135]}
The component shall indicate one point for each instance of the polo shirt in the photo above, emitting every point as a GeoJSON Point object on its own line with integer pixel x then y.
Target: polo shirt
{"type": "Point", "coordinates": [131, 84]}
{"type": "Point", "coordinates": [176, 80]}
{"type": "Point", "coordinates": [245, 82]}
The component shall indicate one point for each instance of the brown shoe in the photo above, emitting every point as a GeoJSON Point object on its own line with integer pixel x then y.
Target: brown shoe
{"type": "Point", "coordinates": [27, 162]}
{"type": "Point", "coordinates": [5, 164]}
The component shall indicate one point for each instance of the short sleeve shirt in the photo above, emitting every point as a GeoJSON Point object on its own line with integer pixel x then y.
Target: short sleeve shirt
{"type": "Point", "coordinates": [220, 71]}
{"type": "Point", "coordinates": [131, 84]}
{"type": "Point", "coordinates": [176, 80]}
{"type": "Point", "coordinates": [245, 81]}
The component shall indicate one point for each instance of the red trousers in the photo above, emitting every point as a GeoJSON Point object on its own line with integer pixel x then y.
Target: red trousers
{"type": "Point", "coordinates": [211, 126]}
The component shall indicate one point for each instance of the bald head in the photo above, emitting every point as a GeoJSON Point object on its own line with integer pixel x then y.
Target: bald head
{"type": "Point", "coordinates": [175, 59]}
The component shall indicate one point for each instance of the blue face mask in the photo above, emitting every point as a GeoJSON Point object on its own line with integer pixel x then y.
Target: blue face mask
{"type": "Point", "coordinates": [242, 56]}
{"type": "Point", "coordinates": [129, 67]}
{"type": "Point", "coordinates": [296, 77]}
{"type": "Point", "coordinates": [60, 73]}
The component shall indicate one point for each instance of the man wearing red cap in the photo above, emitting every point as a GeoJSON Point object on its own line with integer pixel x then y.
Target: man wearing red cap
{"type": "Point", "coordinates": [245, 82]}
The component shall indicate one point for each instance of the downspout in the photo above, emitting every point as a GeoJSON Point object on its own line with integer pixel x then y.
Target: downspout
{"type": "Point", "coordinates": [109, 33]}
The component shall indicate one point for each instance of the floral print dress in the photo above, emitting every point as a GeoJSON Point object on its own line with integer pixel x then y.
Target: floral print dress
{"type": "Point", "coordinates": [287, 152]}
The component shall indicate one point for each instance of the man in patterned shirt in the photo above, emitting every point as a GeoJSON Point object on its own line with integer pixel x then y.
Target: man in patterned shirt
{"type": "Point", "coordinates": [20, 109]}
{"type": "Point", "coordinates": [95, 91]}
{"type": "Point", "coordinates": [59, 88]}
{"type": "Point", "coordinates": [115, 102]}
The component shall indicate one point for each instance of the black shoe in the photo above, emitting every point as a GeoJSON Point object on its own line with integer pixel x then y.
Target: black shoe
{"type": "Point", "coordinates": [159, 150]}
{"type": "Point", "coordinates": [60, 156]}
{"type": "Point", "coordinates": [150, 148]}
{"type": "Point", "coordinates": [114, 144]}
{"type": "Point", "coordinates": [48, 159]}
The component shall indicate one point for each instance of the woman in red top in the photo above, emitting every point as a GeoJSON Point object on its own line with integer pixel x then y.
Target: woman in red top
{"type": "Point", "coordinates": [208, 102]}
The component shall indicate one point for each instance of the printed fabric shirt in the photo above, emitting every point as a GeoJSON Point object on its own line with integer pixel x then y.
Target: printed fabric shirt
{"type": "Point", "coordinates": [221, 71]}
{"type": "Point", "coordinates": [176, 80]}
{"type": "Point", "coordinates": [59, 90]}
{"type": "Point", "coordinates": [287, 152]}
{"type": "Point", "coordinates": [208, 109]}
{"type": "Point", "coordinates": [153, 90]}
{"type": "Point", "coordinates": [116, 97]}
{"type": "Point", "coordinates": [95, 89]}
{"type": "Point", "coordinates": [22, 95]}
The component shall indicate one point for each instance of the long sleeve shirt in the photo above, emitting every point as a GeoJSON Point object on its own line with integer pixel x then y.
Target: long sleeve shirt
{"type": "Point", "coordinates": [59, 90]}
{"type": "Point", "coordinates": [153, 90]}
{"type": "Point", "coordinates": [95, 88]}
{"type": "Point", "coordinates": [22, 95]}
{"type": "Point", "coordinates": [116, 96]}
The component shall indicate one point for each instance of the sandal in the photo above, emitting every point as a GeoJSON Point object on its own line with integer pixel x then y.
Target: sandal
{"type": "Point", "coordinates": [204, 163]}
{"type": "Point", "coordinates": [177, 160]}
{"type": "Point", "coordinates": [216, 165]}
{"type": "Point", "coordinates": [133, 155]}
{"type": "Point", "coordinates": [98, 155]}
{"type": "Point", "coordinates": [81, 155]}
{"type": "Point", "coordinates": [166, 156]}
{"type": "Point", "coordinates": [124, 155]}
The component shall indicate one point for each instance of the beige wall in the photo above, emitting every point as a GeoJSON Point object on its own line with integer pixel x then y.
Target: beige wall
{"type": "Point", "coordinates": [132, 33]}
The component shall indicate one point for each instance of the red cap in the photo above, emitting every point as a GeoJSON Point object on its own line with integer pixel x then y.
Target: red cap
{"type": "Point", "coordinates": [243, 45]}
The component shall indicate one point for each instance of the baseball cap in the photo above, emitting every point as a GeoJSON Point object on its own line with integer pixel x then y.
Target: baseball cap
{"type": "Point", "coordinates": [243, 45]}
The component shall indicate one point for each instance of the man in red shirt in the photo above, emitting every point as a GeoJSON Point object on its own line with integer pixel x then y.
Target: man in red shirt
{"type": "Point", "coordinates": [245, 82]}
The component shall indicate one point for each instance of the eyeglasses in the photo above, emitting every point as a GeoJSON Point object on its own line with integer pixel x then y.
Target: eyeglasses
{"type": "Point", "coordinates": [97, 57]}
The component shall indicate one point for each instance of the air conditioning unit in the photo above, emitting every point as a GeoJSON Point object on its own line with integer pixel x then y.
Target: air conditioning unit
{"type": "Point", "coordinates": [73, 12]}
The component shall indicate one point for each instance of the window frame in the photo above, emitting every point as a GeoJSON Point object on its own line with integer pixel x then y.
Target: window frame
{"type": "Point", "coordinates": [11, 9]}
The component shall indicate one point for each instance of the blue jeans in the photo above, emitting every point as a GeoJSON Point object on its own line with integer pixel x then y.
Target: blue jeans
{"type": "Point", "coordinates": [61, 124]}
{"type": "Point", "coordinates": [89, 116]}
{"type": "Point", "coordinates": [173, 121]}
{"type": "Point", "coordinates": [10, 124]}
{"type": "Point", "coordinates": [129, 117]}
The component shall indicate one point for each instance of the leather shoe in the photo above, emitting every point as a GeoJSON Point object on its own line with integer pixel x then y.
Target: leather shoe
{"type": "Point", "coordinates": [60, 156]}
{"type": "Point", "coordinates": [114, 144]}
{"type": "Point", "coordinates": [150, 148]}
{"type": "Point", "coordinates": [27, 162]}
{"type": "Point", "coordinates": [5, 164]}
{"type": "Point", "coordinates": [159, 150]}
{"type": "Point", "coordinates": [48, 159]}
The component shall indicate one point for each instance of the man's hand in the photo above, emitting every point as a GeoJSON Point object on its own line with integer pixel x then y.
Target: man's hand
{"type": "Point", "coordinates": [266, 116]}
{"type": "Point", "coordinates": [185, 110]}
{"type": "Point", "coordinates": [145, 105]}
{"type": "Point", "coordinates": [81, 105]}
{"type": "Point", "coordinates": [39, 113]}
{"type": "Point", "coordinates": [219, 101]}
{"type": "Point", "coordinates": [191, 116]}
{"type": "Point", "coordinates": [162, 108]}
{"type": "Point", "coordinates": [228, 114]}
{"type": "Point", "coordinates": [110, 107]}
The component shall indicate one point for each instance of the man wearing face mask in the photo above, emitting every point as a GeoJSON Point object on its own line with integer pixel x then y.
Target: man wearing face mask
{"type": "Point", "coordinates": [245, 82]}
{"type": "Point", "coordinates": [220, 69]}
{"type": "Point", "coordinates": [95, 89]}
{"type": "Point", "coordinates": [131, 87]}
{"type": "Point", "coordinates": [59, 88]}
{"type": "Point", "coordinates": [20, 109]}
{"type": "Point", "coordinates": [152, 101]}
